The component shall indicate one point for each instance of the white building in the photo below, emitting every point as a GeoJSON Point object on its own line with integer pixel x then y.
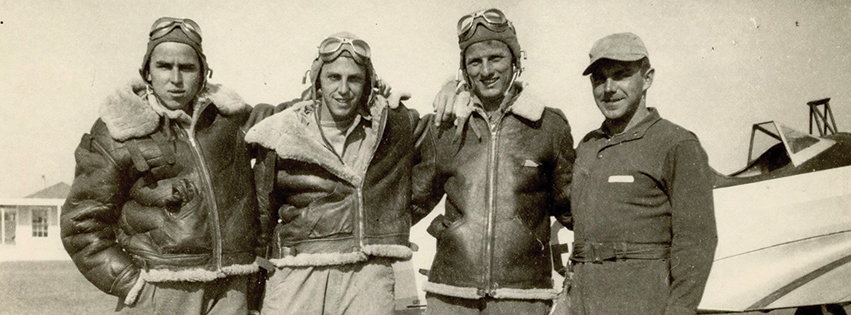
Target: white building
{"type": "Point", "coordinates": [29, 226]}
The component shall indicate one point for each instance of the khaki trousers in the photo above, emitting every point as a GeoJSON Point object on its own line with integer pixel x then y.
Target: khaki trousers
{"type": "Point", "coordinates": [224, 296]}
{"type": "Point", "coordinates": [353, 289]}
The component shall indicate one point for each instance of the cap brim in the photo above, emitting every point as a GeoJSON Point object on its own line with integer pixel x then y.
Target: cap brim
{"type": "Point", "coordinates": [621, 57]}
{"type": "Point", "coordinates": [590, 68]}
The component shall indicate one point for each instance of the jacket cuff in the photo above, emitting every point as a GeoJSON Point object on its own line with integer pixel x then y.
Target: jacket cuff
{"type": "Point", "coordinates": [679, 310]}
{"type": "Point", "coordinates": [133, 295]}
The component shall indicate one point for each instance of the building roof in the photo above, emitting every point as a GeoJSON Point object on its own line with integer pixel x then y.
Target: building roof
{"type": "Point", "coordinates": [57, 191]}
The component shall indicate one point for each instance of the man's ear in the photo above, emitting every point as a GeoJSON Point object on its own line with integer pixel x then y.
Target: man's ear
{"type": "Point", "coordinates": [648, 78]}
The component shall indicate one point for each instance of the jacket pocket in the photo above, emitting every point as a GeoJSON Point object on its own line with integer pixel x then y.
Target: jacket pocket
{"type": "Point", "coordinates": [187, 231]}
{"type": "Point", "coordinates": [316, 221]}
{"type": "Point", "coordinates": [137, 219]}
{"type": "Point", "coordinates": [164, 232]}
{"type": "Point", "coordinates": [441, 224]}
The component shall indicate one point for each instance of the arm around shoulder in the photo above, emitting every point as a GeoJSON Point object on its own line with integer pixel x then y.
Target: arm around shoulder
{"type": "Point", "coordinates": [426, 184]}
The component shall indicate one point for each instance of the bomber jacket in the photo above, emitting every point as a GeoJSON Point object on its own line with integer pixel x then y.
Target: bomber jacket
{"type": "Point", "coordinates": [318, 211]}
{"type": "Point", "coordinates": [503, 178]}
{"type": "Point", "coordinates": [155, 200]}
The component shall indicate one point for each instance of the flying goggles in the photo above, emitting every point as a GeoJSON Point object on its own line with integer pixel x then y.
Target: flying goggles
{"type": "Point", "coordinates": [332, 47]}
{"type": "Point", "coordinates": [165, 25]}
{"type": "Point", "coordinates": [493, 19]}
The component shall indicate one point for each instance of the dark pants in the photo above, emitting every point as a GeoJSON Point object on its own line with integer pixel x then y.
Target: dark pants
{"type": "Point", "coordinates": [632, 287]}
{"type": "Point", "coordinates": [449, 305]}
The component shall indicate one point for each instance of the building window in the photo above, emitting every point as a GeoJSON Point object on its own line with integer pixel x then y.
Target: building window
{"type": "Point", "coordinates": [39, 222]}
{"type": "Point", "coordinates": [10, 223]}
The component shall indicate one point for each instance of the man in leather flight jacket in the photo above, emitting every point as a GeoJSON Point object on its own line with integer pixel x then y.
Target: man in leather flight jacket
{"type": "Point", "coordinates": [162, 210]}
{"type": "Point", "coordinates": [335, 188]}
{"type": "Point", "coordinates": [505, 168]}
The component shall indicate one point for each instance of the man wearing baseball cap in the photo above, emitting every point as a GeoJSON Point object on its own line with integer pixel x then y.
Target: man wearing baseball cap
{"type": "Point", "coordinates": [505, 168]}
{"type": "Point", "coordinates": [644, 224]}
{"type": "Point", "coordinates": [162, 212]}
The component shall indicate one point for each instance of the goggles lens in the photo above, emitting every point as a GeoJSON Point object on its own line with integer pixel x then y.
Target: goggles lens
{"type": "Point", "coordinates": [332, 47]}
{"type": "Point", "coordinates": [164, 26]}
{"type": "Point", "coordinates": [493, 19]}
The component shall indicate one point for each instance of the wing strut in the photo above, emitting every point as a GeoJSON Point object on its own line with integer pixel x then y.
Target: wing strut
{"type": "Point", "coordinates": [820, 116]}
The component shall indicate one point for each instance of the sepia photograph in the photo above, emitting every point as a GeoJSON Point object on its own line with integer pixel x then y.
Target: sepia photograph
{"type": "Point", "coordinates": [425, 157]}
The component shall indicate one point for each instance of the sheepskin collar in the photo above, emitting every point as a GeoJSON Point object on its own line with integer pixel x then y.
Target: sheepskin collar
{"type": "Point", "coordinates": [527, 107]}
{"type": "Point", "coordinates": [127, 113]}
{"type": "Point", "coordinates": [522, 105]}
{"type": "Point", "coordinates": [292, 134]}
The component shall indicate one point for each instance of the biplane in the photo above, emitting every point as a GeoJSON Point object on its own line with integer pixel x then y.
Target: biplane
{"type": "Point", "coordinates": [784, 221]}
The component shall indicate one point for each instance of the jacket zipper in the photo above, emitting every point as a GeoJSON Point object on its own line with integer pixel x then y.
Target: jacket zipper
{"type": "Point", "coordinates": [489, 234]}
{"type": "Point", "coordinates": [208, 185]}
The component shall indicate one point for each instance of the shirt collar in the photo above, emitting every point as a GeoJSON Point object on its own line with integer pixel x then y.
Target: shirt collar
{"type": "Point", "coordinates": [636, 131]}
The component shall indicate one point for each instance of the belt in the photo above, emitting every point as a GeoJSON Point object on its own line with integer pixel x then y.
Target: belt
{"type": "Point", "coordinates": [597, 252]}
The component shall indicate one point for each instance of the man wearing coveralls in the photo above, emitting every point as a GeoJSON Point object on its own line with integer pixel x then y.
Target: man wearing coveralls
{"type": "Point", "coordinates": [644, 224]}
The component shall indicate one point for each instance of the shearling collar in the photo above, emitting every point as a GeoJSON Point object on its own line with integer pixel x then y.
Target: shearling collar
{"type": "Point", "coordinates": [520, 105]}
{"type": "Point", "coordinates": [127, 113]}
{"type": "Point", "coordinates": [291, 134]}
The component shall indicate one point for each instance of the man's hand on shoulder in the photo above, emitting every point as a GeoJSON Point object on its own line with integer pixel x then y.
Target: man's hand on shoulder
{"type": "Point", "coordinates": [393, 99]}
{"type": "Point", "coordinates": [452, 98]}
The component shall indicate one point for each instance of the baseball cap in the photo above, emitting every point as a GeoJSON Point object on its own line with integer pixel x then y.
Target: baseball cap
{"type": "Point", "coordinates": [620, 46]}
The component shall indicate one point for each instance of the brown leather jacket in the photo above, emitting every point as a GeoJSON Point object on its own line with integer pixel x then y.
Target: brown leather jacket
{"type": "Point", "coordinates": [156, 201]}
{"type": "Point", "coordinates": [315, 210]}
{"type": "Point", "coordinates": [502, 182]}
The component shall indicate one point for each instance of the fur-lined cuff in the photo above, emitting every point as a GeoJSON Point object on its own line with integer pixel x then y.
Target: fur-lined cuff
{"type": "Point", "coordinates": [390, 251]}
{"type": "Point", "coordinates": [197, 275]}
{"type": "Point", "coordinates": [238, 270]}
{"type": "Point", "coordinates": [444, 289]}
{"type": "Point", "coordinates": [324, 259]}
{"type": "Point", "coordinates": [333, 259]}
{"type": "Point", "coordinates": [133, 295]}
{"type": "Point", "coordinates": [525, 294]}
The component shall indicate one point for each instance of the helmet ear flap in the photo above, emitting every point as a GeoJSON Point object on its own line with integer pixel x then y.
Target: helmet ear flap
{"type": "Point", "coordinates": [143, 73]}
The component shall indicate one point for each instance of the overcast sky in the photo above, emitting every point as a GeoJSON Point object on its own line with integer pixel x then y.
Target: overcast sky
{"type": "Point", "coordinates": [720, 65]}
